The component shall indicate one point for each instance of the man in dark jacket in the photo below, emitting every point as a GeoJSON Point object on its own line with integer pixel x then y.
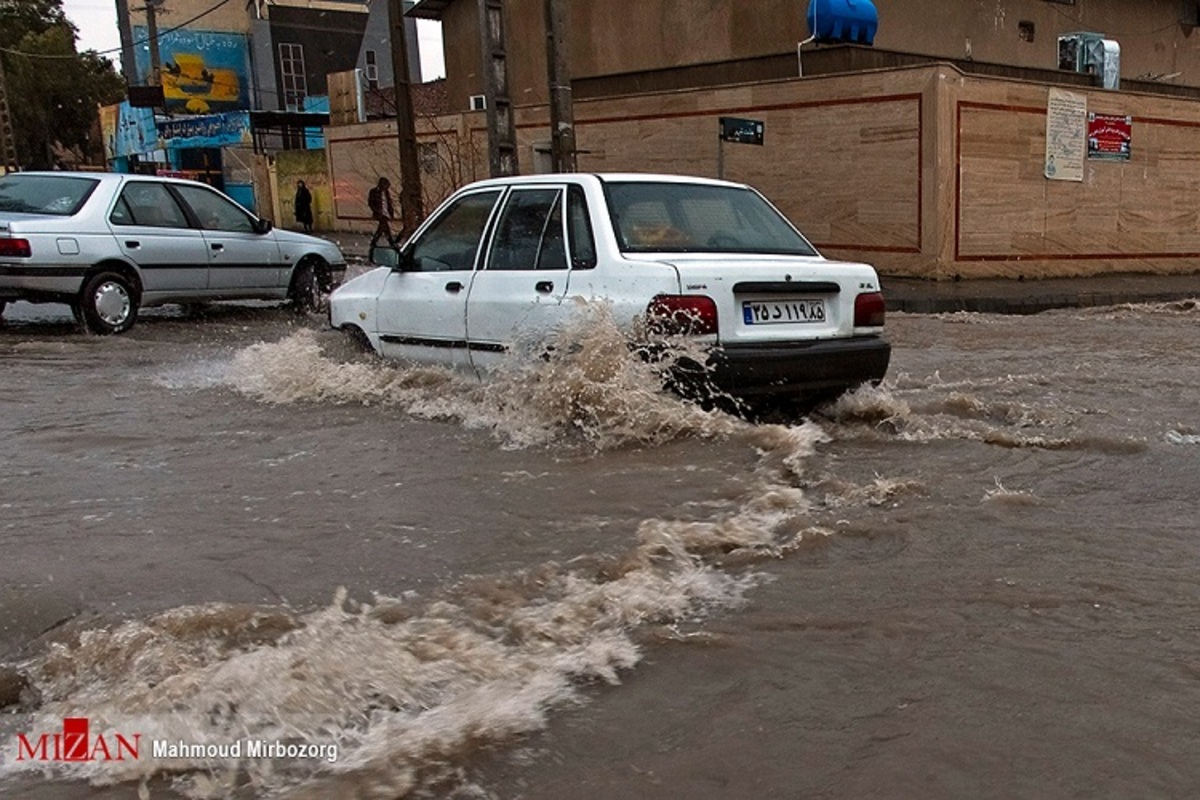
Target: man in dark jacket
{"type": "Point", "coordinates": [379, 199]}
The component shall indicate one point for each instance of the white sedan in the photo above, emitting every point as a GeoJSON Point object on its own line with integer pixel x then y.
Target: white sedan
{"type": "Point", "coordinates": [504, 259]}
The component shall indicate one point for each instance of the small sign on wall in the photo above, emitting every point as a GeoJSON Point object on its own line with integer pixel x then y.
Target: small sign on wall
{"type": "Point", "coordinates": [742, 131]}
{"type": "Point", "coordinates": [1109, 136]}
{"type": "Point", "coordinates": [735, 129]}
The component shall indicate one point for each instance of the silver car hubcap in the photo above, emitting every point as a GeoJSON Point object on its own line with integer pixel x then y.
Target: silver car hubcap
{"type": "Point", "coordinates": [112, 303]}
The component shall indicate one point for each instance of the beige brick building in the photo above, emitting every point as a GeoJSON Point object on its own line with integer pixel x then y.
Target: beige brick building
{"type": "Point", "coordinates": [917, 159]}
{"type": "Point", "coordinates": [611, 39]}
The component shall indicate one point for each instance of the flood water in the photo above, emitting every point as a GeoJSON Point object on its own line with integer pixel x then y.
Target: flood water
{"type": "Point", "coordinates": [981, 579]}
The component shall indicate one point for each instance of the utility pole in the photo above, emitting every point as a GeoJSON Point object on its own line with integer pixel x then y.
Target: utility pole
{"type": "Point", "coordinates": [8, 140]}
{"type": "Point", "coordinates": [412, 206]}
{"type": "Point", "coordinates": [152, 33]}
{"type": "Point", "coordinates": [562, 114]}
{"type": "Point", "coordinates": [502, 134]}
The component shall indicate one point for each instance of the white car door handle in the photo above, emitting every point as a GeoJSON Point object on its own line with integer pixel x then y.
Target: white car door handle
{"type": "Point", "coordinates": [132, 244]}
{"type": "Point", "coordinates": [218, 247]}
{"type": "Point", "coordinates": [544, 287]}
{"type": "Point", "coordinates": [454, 287]}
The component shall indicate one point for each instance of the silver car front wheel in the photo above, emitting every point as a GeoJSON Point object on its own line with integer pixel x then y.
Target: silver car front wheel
{"type": "Point", "coordinates": [305, 291]}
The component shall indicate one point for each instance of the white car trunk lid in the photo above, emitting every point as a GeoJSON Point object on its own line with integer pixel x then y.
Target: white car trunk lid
{"type": "Point", "coordinates": [764, 299]}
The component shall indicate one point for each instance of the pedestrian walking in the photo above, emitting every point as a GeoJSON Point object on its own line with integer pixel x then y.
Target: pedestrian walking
{"type": "Point", "coordinates": [379, 200]}
{"type": "Point", "coordinates": [302, 206]}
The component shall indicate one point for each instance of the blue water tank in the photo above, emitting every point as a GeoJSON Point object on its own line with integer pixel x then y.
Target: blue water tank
{"type": "Point", "coordinates": [852, 21]}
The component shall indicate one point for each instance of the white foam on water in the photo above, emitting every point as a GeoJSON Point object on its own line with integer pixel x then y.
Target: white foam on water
{"type": "Point", "coordinates": [877, 493]}
{"type": "Point", "coordinates": [1002, 495]}
{"type": "Point", "coordinates": [1181, 437]}
{"type": "Point", "coordinates": [1135, 310]}
{"type": "Point", "coordinates": [936, 412]}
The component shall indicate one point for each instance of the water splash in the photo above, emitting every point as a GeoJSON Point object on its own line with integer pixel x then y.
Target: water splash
{"type": "Point", "coordinates": [1001, 494]}
{"type": "Point", "coordinates": [584, 383]}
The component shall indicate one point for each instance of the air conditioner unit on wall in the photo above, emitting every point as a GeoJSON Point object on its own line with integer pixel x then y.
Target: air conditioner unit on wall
{"type": "Point", "coordinates": [479, 102]}
{"type": "Point", "coordinates": [1091, 53]}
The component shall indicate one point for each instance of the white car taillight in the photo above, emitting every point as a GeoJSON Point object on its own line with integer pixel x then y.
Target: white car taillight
{"type": "Point", "coordinates": [869, 310]}
{"type": "Point", "coordinates": [682, 314]}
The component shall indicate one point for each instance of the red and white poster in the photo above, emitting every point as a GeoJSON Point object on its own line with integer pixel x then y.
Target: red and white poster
{"type": "Point", "coordinates": [1109, 136]}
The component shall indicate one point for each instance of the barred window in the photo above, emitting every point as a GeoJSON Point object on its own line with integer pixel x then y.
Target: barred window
{"type": "Point", "coordinates": [291, 73]}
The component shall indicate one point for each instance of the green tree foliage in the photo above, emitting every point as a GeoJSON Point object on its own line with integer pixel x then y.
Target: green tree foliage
{"type": "Point", "coordinates": [53, 91]}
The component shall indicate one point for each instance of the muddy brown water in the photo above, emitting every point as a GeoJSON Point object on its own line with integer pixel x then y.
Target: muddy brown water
{"type": "Point", "coordinates": [981, 579]}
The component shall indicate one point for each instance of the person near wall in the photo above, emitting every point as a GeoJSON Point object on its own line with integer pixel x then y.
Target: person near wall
{"type": "Point", "coordinates": [302, 206]}
{"type": "Point", "coordinates": [379, 199]}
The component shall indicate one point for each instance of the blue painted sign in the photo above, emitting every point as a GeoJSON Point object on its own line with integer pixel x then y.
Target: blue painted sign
{"type": "Point", "coordinates": [202, 72]}
{"type": "Point", "coordinates": [210, 130]}
{"type": "Point", "coordinates": [127, 131]}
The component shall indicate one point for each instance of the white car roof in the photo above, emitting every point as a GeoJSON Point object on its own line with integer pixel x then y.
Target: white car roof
{"type": "Point", "coordinates": [621, 177]}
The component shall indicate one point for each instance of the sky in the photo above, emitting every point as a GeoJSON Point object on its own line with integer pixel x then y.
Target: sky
{"type": "Point", "coordinates": [97, 24]}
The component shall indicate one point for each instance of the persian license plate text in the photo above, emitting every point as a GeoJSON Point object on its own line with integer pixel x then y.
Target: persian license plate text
{"type": "Point", "coordinates": [755, 312]}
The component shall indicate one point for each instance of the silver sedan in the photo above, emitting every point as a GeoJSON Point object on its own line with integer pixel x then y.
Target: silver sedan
{"type": "Point", "coordinates": [108, 244]}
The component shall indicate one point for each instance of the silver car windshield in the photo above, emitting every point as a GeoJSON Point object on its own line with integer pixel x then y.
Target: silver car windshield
{"type": "Point", "coordinates": [696, 218]}
{"type": "Point", "coordinates": [44, 194]}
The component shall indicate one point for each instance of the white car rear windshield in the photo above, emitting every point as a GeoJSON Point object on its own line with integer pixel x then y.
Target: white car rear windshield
{"type": "Point", "coordinates": [44, 194]}
{"type": "Point", "coordinates": [696, 218]}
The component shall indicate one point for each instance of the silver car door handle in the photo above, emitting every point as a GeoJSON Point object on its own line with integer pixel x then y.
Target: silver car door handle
{"type": "Point", "coordinates": [545, 287]}
{"type": "Point", "coordinates": [218, 246]}
{"type": "Point", "coordinates": [132, 244]}
{"type": "Point", "coordinates": [454, 286]}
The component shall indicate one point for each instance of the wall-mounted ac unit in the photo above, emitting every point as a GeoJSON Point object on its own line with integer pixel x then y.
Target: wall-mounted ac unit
{"type": "Point", "coordinates": [1091, 53]}
{"type": "Point", "coordinates": [479, 102]}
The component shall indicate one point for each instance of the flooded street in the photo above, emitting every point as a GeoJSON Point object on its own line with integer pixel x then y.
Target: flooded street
{"type": "Point", "coordinates": [977, 580]}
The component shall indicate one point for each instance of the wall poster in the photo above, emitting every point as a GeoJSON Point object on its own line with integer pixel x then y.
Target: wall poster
{"type": "Point", "coordinates": [1066, 135]}
{"type": "Point", "coordinates": [1110, 136]}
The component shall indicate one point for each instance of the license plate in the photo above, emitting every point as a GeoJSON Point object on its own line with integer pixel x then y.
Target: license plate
{"type": "Point", "coordinates": [776, 312]}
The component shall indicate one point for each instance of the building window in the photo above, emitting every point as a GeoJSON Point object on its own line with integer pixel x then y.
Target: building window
{"type": "Point", "coordinates": [291, 73]}
{"type": "Point", "coordinates": [427, 155]}
{"type": "Point", "coordinates": [372, 71]}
